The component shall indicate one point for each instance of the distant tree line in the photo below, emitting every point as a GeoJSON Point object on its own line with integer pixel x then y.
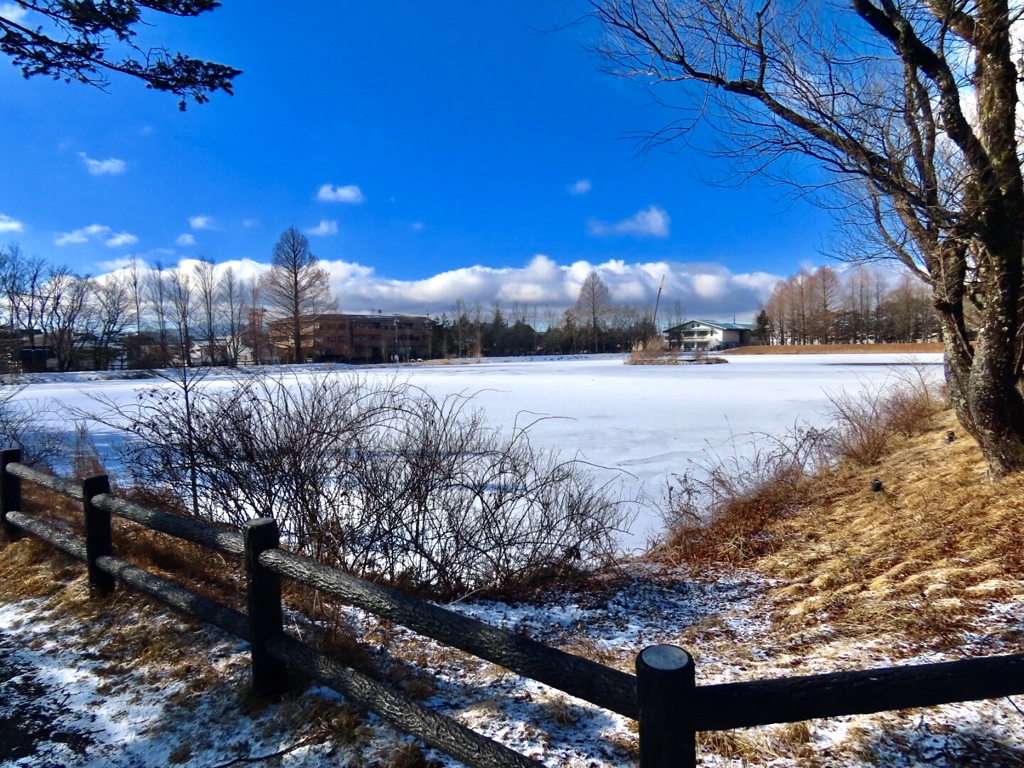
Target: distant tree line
{"type": "Point", "coordinates": [593, 324]}
{"type": "Point", "coordinates": [151, 317]}
{"type": "Point", "coordinates": [138, 316]}
{"type": "Point", "coordinates": [143, 316]}
{"type": "Point", "coordinates": [822, 306]}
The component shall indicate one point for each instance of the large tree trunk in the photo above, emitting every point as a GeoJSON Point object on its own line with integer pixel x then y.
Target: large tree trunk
{"type": "Point", "coordinates": [984, 377]}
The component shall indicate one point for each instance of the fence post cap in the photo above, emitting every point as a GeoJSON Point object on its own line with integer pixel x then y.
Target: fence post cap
{"type": "Point", "coordinates": [259, 522]}
{"type": "Point", "coordinates": [665, 657]}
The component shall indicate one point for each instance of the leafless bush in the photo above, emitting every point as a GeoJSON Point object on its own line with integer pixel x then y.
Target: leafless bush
{"type": "Point", "coordinates": [868, 420]}
{"type": "Point", "coordinates": [377, 477]}
{"type": "Point", "coordinates": [24, 426]}
{"type": "Point", "coordinates": [449, 502]}
{"type": "Point", "coordinates": [718, 509]}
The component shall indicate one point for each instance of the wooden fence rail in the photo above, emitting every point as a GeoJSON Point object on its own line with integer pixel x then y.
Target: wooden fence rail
{"type": "Point", "coordinates": [663, 696]}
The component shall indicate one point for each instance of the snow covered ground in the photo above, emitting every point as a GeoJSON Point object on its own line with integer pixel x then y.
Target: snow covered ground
{"type": "Point", "coordinates": [635, 424]}
{"type": "Point", "coordinates": [645, 422]}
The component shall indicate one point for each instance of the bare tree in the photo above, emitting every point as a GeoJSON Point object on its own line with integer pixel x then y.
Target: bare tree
{"type": "Point", "coordinates": [910, 111]}
{"type": "Point", "coordinates": [135, 284]}
{"type": "Point", "coordinates": [183, 306]}
{"type": "Point", "coordinates": [593, 304]}
{"type": "Point", "coordinates": [24, 284]}
{"type": "Point", "coordinates": [254, 316]}
{"type": "Point", "coordinates": [65, 314]}
{"type": "Point", "coordinates": [233, 297]}
{"type": "Point", "coordinates": [296, 286]}
{"type": "Point", "coordinates": [157, 297]}
{"type": "Point", "coordinates": [206, 282]}
{"type": "Point", "coordinates": [115, 308]}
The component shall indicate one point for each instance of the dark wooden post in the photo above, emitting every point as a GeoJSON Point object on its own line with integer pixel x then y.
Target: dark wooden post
{"type": "Point", "coordinates": [665, 686]}
{"type": "Point", "coordinates": [10, 491]}
{"type": "Point", "coordinates": [98, 540]}
{"type": "Point", "coordinates": [269, 675]}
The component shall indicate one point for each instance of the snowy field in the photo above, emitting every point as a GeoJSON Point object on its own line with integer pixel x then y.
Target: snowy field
{"type": "Point", "coordinates": [636, 424]}
{"type": "Point", "coordinates": [73, 707]}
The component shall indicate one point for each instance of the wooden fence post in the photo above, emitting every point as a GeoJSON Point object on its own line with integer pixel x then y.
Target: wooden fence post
{"type": "Point", "coordinates": [10, 491]}
{"type": "Point", "coordinates": [269, 675]}
{"type": "Point", "coordinates": [98, 539]}
{"type": "Point", "coordinates": [665, 686]}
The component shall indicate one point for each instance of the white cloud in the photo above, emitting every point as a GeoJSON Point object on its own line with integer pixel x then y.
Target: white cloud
{"type": "Point", "coordinates": [81, 235]}
{"type": "Point", "coordinates": [325, 227]}
{"type": "Point", "coordinates": [348, 194]}
{"type": "Point", "coordinates": [201, 222]}
{"type": "Point", "coordinates": [650, 222]}
{"type": "Point", "coordinates": [546, 288]}
{"type": "Point", "coordinates": [704, 290]}
{"type": "Point", "coordinates": [121, 238]}
{"type": "Point", "coordinates": [249, 223]}
{"type": "Point", "coordinates": [186, 239]}
{"type": "Point", "coordinates": [96, 232]}
{"type": "Point", "coordinates": [109, 167]}
{"type": "Point", "coordinates": [7, 224]}
{"type": "Point", "coordinates": [13, 12]}
{"type": "Point", "coordinates": [580, 187]}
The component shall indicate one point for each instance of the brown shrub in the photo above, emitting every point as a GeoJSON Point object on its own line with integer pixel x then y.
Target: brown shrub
{"type": "Point", "coordinates": [721, 509]}
{"type": "Point", "coordinates": [868, 421]}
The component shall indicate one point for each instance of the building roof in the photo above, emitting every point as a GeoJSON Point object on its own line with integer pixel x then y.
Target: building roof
{"type": "Point", "coordinates": [715, 324]}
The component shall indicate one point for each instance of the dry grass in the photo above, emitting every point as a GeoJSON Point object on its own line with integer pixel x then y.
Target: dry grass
{"type": "Point", "coordinates": [919, 558]}
{"type": "Point", "coordinates": [724, 509]}
{"type": "Point", "coordinates": [835, 349]}
{"type": "Point", "coordinates": [653, 354]}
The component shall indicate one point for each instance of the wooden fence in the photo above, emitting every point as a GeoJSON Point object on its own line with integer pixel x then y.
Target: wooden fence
{"type": "Point", "coordinates": [663, 697]}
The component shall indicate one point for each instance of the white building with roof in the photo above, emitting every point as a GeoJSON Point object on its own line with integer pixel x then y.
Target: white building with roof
{"type": "Point", "coordinates": [708, 336]}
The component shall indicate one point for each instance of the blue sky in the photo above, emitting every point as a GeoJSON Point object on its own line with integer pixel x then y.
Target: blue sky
{"type": "Point", "coordinates": [430, 151]}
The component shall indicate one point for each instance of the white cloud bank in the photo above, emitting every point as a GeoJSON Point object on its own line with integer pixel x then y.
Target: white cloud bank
{"type": "Point", "coordinates": [351, 194]}
{"type": "Point", "coordinates": [8, 224]}
{"type": "Point", "coordinates": [201, 222]}
{"type": "Point", "coordinates": [580, 187]}
{"type": "Point", "coordinates": [109, 167]}
{"type": "Point", "coordinates": [697, 290]}
{"type": "Point", "coordinates": [186, 239]}
{"type": "Point", "coordinates": [703, 290]}
{"type": "Point", "coordinates": [650, 222]}
{"type": "Point", "coordinates": [96, 232]}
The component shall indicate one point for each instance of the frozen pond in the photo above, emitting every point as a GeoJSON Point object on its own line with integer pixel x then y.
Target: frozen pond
{"type": "Point", "coordinates": [642, 423]}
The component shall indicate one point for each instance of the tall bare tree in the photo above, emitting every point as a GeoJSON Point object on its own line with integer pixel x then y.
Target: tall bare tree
{"type": "Point", "coordinates": [136, 286]}
{"type": "Point", "coordinates": [233, 298]}
{"type": "Point", "coordinates": [115, 311]}
{"type": "Point", "coordinates": [158, 300]}
{"type": "Point", "coordinates": [206, 282]}
{"type": "Point", "coordinates": [253, 298]}
{"type": "Point", "coordinates": [66, 315]}
{"type": "Point", "coordinates": [183, 309]}
{"type": "Point", "coordinates": [592, 305]}
{"type": "Point", "coordinates": [907, 108]}
{"type": "Point", "coordinates": [296, 286]}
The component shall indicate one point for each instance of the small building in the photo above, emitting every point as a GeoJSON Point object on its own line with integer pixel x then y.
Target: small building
{"type": "Point", "coordinates": [708, 336]}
